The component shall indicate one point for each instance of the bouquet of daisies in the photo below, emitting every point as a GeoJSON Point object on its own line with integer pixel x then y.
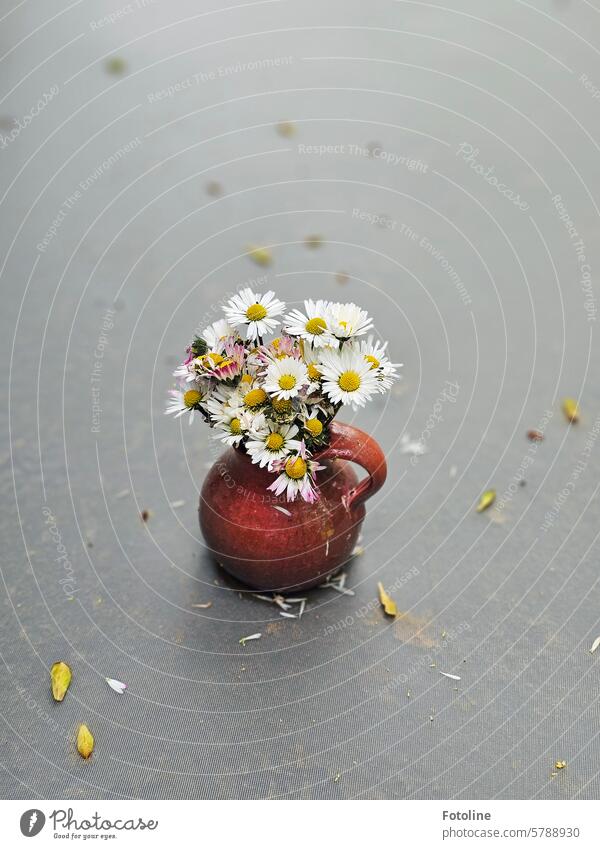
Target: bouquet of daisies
{"type": "Point", "coordinates": [275, 400]}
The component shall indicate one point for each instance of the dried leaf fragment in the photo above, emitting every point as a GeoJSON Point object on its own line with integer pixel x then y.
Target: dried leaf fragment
{"type": "Point", "coordinates": [60, 676]}
{"type": "Point", "coordinates": [571, 410]}
{"type": "Point", "coordinates": [387, 602]}
{"type": "Point", "coordinates": [595, 645]}
{"type": "Point", "coordinates": [117, 686]}
{"type": "Point", "coordinates": [486, 500]}
{"type": "Point", "coordinates": [535, 435]}
{"type": "Point", "coordinates": [260, 255]}
{"type": "Point", "coordinates": [85, 741]}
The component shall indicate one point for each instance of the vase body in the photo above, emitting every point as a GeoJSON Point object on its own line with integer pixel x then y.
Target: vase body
{"type": "Point", "coordinates": [276, 545]}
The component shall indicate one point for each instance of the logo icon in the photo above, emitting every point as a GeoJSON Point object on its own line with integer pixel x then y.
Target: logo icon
{"type": "Point", "coordinates": [32, 822]}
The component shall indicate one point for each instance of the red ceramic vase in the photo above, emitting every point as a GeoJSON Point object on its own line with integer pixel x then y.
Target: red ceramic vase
{"type": "Point", "coordinates": [270, 550]}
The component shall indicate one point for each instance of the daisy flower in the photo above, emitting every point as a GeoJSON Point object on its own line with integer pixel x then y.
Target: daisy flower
{"type": "Point", "coordinates": [186, 401]}
{"type": "Point", "coordinates": [312, 325]}
{"type": "Point", "coordinates": [348, 320]}
{"type": "Point", "coordinates": [269, 441]}
{"type": "Point", "coordinates": [225, 365]}
{"type": "Point", "coordinates": [347, 377]}
{"type": "Point", "coordinates": [233, 427]}
{"type": "Point", "coordinates": [284, 378]}
{"type": "Point", "coordinates": [297, 474]}
{"type": "Point", "coordinates": [217, 333]}
{"type": "Point", "coordinates": [225, 403]}
{"type": "Point", "coordinates": [256, 311]}
{"type": "Point", "coordinates": [375, 354]}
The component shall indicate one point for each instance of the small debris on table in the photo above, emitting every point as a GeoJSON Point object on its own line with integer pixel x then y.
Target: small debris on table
{"type": "Point", "coordinates": [175, 504]}
{"type": "Point", "coordinates": [259, 255]}
{"type": "Point", "coordinates": [560, 764]}
{"type": "Point", "coordinates": [571, 410]}
{"type": "Point", "coordinates": [123, 493]}
{"type": "Point", "coordinates": [116, 66]}
{"type": "Point", "coordinates": [214, 188]}
{"type": "Point", "coordinates": [595, 645]}
{"type": "Point", "coordinates": [85, 741]}
{"type": "Point", "coordinates": [486, 500]}
{"type": "Point", "coordinates": [285, 129]}
{"type": "Point", "coordinates": [117, 686]}
{"type": "Point", "coordinates": [313, 241]}
{"type": "Point", "coordinates": [341, 277]}
{"type": "Point", "coordinates": [338, 584]}
{"type": "Point", "coordinates": [535, 435]}
{"type": "Point", "coordinates": [387, 602]}
{"type": "Point", "coordinates": [244, 640]}
{"type": "Point", "coordinates": [145, 515]}
{"type": "Point", "coordinates": [411, 446]}
{"type": "Point", "coordinates": [449, 675]}
{"type": "Point", "coordinates": [60, 676]}
{"type": "Point", "coordinates": [283, 510]}
{"type": "Point", "coordinates": [204, 606]}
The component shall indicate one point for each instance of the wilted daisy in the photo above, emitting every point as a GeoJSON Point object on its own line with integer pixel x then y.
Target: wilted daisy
{"type": "Point", "coordinates": [284, 378]}
{"type": "Point", "coordinates": [222, 366]}
{"type": "Point", "coordinates": [312, 325]}
{"type": "Point", "coordinates": [375, 354]}
{"type": "Point", "coordinates": [297, 477]}
{"type": "Point", "coordinates": [269, 441]}
{"type": "Point", "coordinates": [347, 376]}
{"type": "Point", "coordinates": [217, 333]}
{"type": "Point", "coordinates": [254, 310]}
{"type": "Point", "coordinates": [348, 320]}
{"type": "Point", "coordinates": [186, 401]}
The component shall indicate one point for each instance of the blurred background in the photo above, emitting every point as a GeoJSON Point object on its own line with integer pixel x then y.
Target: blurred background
{"type": "Point", "coordinates": [436, 164]}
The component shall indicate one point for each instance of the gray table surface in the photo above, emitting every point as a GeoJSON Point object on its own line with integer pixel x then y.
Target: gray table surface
{"type": "Point", "coordinates": [113, 250]}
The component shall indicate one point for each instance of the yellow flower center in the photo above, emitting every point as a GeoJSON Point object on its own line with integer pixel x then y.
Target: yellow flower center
{"type": "Point", "coordinates": [314, 427]}
{"type": "Point", "coordinates": [255, 397]}
{"type": "Point", "coordinates": [256, 312]}
{"type": "Point", "coordinates": [295, 468]}
{"type": "Point", "coordinates": [191, 398]}
{"type": "Point", "coordinates": [246, 378]}
{"type": "Point", "coordinates": [276, 343]}
{"type": "Point", "coordinates": [313, 372]}
{"type": "Point", "coordinates": [274, 441]}
{"type": "Point", "coordinates": [216, 358]}
{"type": "Point", "coordinates": [373, 360]}
{"type": "Point", "coordinates": [235, 426]}
{"type": "Point", "coordinates": [287, 381]}
{"type": "Point", "coordinates": [316, 326]}
{"type": "Point", "coordinates": [281, 405]}
{"type": "Point", "coordinates": [349, 381]}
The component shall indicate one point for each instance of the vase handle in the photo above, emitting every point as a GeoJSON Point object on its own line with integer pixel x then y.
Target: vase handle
{"type": "Point", "coordinates": [350, 443]}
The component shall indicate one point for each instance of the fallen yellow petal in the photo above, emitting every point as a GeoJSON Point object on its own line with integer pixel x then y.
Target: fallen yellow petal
{"type": "Point", "coordinates": [571, 410]}
{"type": "Point", "coordinates": [261, 256]}
{"type": "Point", "coordinates": [85, 741]}
{"type": "Point", "coordinates": [387, 602]}
{"type": "Point", "coordinates": [486, 500]}
{"type": "Point", "coordinates": [60, 676]}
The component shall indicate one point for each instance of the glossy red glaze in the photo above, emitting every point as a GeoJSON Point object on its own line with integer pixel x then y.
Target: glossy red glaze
{"type": "Point", "coordinates": [270, 550]}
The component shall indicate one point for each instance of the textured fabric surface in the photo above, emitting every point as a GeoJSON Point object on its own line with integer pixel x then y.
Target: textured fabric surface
{"type": "Point", "coordinates": [115, 247]}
